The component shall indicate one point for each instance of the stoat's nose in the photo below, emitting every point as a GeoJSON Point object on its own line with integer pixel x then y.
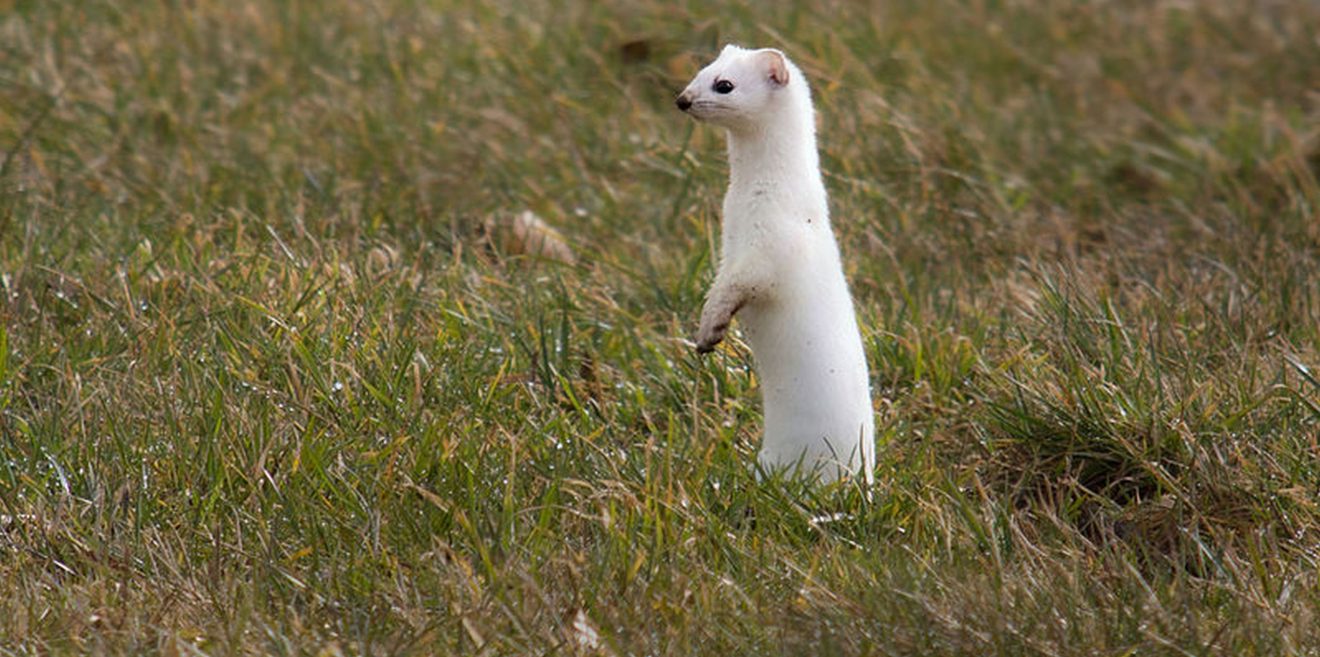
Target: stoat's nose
{"type": "Point", "coordinates": [683, 102]}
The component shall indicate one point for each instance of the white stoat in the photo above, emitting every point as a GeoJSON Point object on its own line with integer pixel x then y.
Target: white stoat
{"type": "Point", "coordinates": [779, 266]}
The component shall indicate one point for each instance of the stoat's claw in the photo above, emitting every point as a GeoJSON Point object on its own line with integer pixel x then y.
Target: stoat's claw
{"type": "Point", "coordinates": [707, 338]}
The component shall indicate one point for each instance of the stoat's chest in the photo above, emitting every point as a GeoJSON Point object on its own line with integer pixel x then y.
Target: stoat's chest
{"type": "Point", "coordinates": [772, 219]}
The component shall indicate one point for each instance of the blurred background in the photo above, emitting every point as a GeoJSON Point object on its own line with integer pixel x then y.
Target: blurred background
{"type": "Point", "coordinates": [362, 327]}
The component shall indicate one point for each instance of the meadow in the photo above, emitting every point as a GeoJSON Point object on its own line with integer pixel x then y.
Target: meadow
{"type": "Point", "coordinates": [276, 377]}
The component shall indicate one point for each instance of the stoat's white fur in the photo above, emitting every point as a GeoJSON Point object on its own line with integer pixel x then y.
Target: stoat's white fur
{"type": "Point", "coordinates": [780, 268]}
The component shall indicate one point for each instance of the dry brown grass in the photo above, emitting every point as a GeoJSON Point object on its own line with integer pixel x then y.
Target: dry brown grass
{"type": "Point", "coordinates": [266, 387]}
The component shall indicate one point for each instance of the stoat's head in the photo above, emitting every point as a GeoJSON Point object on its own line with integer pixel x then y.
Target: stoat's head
{"type": "Point", "coordinates": [743, 88]}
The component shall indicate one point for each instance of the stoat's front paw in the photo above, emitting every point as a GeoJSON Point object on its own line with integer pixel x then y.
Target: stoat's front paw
{"type": "Point", "coordinates": [711, 334]}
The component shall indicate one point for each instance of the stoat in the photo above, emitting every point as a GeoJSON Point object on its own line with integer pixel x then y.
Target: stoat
{"type": "Point", "coordinates": [780, 271]}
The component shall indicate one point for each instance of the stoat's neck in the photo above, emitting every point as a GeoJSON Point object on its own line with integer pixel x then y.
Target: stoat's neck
{"type": "Point", "coordinates": [778, 151]}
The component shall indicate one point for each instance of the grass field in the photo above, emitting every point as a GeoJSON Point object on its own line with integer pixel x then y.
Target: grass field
{"type": "Point", "coordinates": [274, 378]}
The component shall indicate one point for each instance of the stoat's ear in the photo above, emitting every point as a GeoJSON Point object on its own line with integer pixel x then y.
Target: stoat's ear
{"type": "Point", "coordinates": [775, 66]}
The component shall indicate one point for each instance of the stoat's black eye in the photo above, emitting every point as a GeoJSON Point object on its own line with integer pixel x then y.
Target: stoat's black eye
{"type": "Point", "coordinates": [722, 86]}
